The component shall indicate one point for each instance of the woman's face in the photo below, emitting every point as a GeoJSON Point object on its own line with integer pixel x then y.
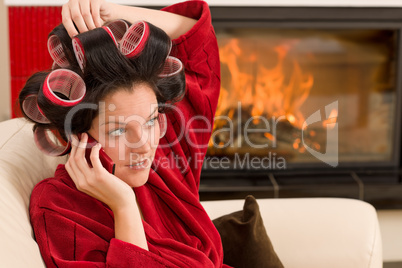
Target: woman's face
{"type": "Point", "coordinates": [128, 129]}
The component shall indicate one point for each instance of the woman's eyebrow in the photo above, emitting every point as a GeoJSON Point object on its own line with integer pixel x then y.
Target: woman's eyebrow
{"type": "Point", "coordinates": [124, 123]}
{"type": "Point", "coordinates": [156, 108]}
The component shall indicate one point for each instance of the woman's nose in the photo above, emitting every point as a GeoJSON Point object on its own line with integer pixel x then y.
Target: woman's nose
{"type": "Point", "coordinates": [138, 141]}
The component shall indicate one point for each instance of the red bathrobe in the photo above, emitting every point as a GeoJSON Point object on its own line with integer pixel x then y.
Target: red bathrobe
{"type": "Point", "coordinates": [73, 229]}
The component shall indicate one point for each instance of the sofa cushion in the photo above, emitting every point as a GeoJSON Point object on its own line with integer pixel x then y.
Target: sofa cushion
{"type": "Point", "coordinates": [244, 238]}
{"type": "Point", "coordinates": [22, 166]}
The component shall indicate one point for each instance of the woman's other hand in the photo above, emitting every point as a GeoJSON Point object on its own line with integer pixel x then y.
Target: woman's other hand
{"type": "Point", "coordinates": [96, 181]}
{"type": "Point", "coordinates": [85, 15]}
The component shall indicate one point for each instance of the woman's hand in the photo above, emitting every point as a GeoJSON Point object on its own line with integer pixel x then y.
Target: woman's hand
{"type": "Point", "coordinates": [86, 15]}
{"type": "Point", "coordinates": [89, 14]}
{"type": "Point", "coordinates": [96, 181]}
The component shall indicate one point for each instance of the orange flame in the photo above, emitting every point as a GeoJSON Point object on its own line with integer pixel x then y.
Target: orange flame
{"type": "Point", "coordinates": [269, 136]}
{"type": "Point", "coordinates": [268, 91]}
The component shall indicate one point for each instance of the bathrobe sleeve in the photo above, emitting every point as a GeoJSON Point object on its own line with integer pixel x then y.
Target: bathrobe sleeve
{"type": "Point", "coordinates": [192, 121]}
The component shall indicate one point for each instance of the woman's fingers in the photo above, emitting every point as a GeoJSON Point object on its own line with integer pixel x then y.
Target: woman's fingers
{"type": "Point", "coordinates": [71, 165]}
{"type": "Point", "coordinates": [76, 16]}
{"type": "Point", "coordinates": [96, 181]}
{"type": "Point", "coordinates": [86, 14]}
{"type": "Point", "coordinates": [74, 143]}
{"type": "Point", "coordinates": [79, 157]}
{"type": "Point", "coordinates": [95, 160]}
{"type": "Point", "coordinates": [67, 21]}
{"type": "Point", "coordinates": [78, 167]}
{"type": "Point", "coordinates": [83, 15]}
{"type": "Point", "coordinates": [95, 11]}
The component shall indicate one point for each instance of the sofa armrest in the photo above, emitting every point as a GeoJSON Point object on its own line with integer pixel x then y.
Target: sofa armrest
{"type": "Point", "coordinates": [22, 166]}
{"type": "Point", "coordinates": [316, 232]}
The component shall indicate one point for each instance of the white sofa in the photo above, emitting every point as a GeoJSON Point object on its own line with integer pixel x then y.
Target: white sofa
{"type": "Point", "coordinates": [305, 232]}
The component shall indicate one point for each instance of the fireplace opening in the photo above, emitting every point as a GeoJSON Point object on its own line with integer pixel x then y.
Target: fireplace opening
{"type": "Point", "coordinates": [274, 81]}
{"type": "Point", "coordinates": [310, 104]}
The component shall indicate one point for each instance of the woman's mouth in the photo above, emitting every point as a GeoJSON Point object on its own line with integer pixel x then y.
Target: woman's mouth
{"type": "Point", "coordinates": [140, 165]}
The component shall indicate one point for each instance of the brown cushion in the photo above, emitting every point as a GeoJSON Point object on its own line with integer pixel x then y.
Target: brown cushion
{"type": "Point", "coordinates": [244, 238]}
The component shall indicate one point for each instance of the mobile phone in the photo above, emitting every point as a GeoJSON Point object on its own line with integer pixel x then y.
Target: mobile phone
{"type": "Point", "coordinates": [106, 161]}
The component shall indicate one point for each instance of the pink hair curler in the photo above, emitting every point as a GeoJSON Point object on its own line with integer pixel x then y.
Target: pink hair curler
{"type": "Point", "coordinates": [172, 66]}
{"type": "Point", "coordinates": [64, 87]}
{"type": "Point", "coordinates": [116, 29]}
{"type": "Point", "coordinates": [32, 110]}
{"type": "Point", "coordinates": [162, 124]}
{"type": "Point", "coordinates": [56, 51]}
{"type": "Point", "coordinates": [55, 66]}
{"type": "Point", "coordinates": [79, 52]}
{"type": "Point", "coordinates": [48, 143]}
{"type": "Point", "coordinates": [111, 35]}
{"type": "Point", "coordinates": [170, 49]}
{"type": "Point", "coordinates": [134, 40]}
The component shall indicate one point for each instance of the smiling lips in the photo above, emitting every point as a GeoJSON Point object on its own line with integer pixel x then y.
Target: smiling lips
{"type": "Point", "coordinates": [140, 165]}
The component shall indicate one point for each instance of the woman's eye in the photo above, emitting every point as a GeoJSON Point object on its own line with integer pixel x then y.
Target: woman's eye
{"type": "Point", "coordinates": [151, 122]}
{"type": "Point", "coordinates": [117, 132]}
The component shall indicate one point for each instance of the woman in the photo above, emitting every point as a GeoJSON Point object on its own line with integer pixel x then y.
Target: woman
{"type": "Point", "coordinates": [143, 215]}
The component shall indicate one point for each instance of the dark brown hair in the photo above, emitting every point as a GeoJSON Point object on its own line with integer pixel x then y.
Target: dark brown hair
{"type": "Point", "coordinates": [106, 70]}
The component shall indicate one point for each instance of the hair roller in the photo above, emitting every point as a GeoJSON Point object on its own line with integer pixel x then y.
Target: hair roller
{"type": "Point", "coordinates": [28, 98]}
{"type": "Point", "coordinates": [79, 52]}
{"type": "Point", "coordinates": [95, 51]}
{"type": "Point", "coordinates": [31, 109]}
{"type": "Point", "coordinates": [49, 143]}
{"type": "Point", "coordinates": [171, 66]}
{"type": "Point", "coordinates": [111, 35]}
{"type": "Point", "coordinates": [146, 46]}
{"type": "Point", "coordinates": [116, 29]}
{"type": "Point", "coordinates": [59, 39]}
{"type": "Point", "coordinates": [55, 66]}
{"type": "Point", "coordinates": [170, 48]}
{"type": "Point", "coordinates": [134, 40]}
{"type": "Point", "coordinates": [56, 51]}
{"type": "Point", "coordinates": [105, 70]}
{"type": "Point", "coordinates": [64, 87]}
{"type": "Point", "coordinates": [171, 88]}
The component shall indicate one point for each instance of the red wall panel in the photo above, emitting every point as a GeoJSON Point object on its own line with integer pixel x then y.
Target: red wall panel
{"type": "Point", "coordinates": [29, 28]}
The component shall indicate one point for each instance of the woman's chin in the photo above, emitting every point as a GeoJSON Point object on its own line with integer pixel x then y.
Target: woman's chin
{"type": "Point", "coordinates": [135, 177]}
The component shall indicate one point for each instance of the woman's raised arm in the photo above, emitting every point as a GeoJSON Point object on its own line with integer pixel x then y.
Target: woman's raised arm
{"type": "Point", "coordinates": [89, 14]}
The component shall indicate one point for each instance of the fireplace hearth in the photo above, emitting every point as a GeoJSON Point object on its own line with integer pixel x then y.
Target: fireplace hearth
{"type": "Point", "coordinates": [310, 104]}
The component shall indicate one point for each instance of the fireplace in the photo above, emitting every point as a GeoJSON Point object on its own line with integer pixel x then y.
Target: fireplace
{"type": "Point", "coordinates": [310, 104]}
